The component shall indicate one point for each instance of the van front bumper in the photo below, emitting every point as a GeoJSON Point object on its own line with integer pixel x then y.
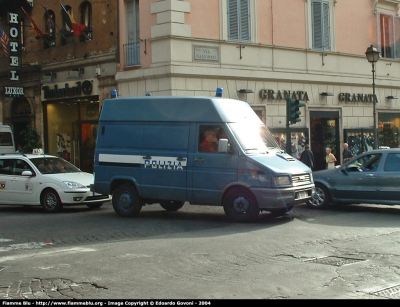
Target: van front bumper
{"type": "Point", "coordinates": [282, 198]}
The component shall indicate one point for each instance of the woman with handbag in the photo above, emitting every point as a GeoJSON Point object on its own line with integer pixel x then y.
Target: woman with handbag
{"type": "Point", "coordinates": [330, 159]}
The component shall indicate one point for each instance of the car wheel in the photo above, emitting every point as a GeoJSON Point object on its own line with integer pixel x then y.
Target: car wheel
{"type": "Point", "coordinates": [320, 198]}
{"type": "Point", "coordinates": [240, 205]}
{"type": "Point", "coordinates": [126, 201]}
{"type": "Point", "coordinates": [94, 206]}
{"type": "Point", "coordinates": [171, 205]}
{"type": "Point", "coordinates": [50, 201]}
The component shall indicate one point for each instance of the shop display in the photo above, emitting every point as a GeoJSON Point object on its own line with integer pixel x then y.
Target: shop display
{"type": "Point", "coordinates": [298, 141]}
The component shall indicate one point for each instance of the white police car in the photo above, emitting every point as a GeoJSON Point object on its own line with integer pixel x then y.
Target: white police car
{"type": "Point", "coordinates": [46, 180]}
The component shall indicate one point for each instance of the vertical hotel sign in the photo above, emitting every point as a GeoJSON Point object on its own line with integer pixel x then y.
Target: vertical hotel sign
{"type": "Point", "coordinates": [15, 48]}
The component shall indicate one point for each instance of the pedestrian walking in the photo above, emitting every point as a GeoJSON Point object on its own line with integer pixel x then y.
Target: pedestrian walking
{"type": "Point", "coordinates": [330, 158]}
{"type": "Point", "coordinates": [346, 154]}
{"type": "Point", "coordinates": [307, 157]}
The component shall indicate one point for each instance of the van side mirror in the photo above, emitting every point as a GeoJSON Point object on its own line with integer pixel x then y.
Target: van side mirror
{"type": "Point", "coordinates": [223, 145]}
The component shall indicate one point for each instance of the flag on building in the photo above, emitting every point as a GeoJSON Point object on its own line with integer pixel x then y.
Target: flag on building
{"type": "Point", "coordinates": [34, 26]}
{"type": "Point", "coordinates": [4, 41]}
{"type": "Point", "coordinates": [71, 23]}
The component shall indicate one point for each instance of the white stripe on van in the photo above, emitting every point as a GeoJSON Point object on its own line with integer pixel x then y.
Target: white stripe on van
{"type": "Point", "coordinates": [120, 158]}
{"type": "Point", "coordinates": [153, 162]}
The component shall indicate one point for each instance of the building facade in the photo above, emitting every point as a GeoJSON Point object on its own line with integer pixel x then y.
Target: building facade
{"type": "Point", "coordinates": [259, 51]}
{"type": "Point", "coordinates": [264, 51]}
{"type": "Point", "coordinates": [61, 63]}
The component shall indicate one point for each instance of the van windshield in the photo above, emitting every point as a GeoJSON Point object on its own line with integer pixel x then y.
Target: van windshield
{"type": "Point", "coordinates": [254, 138]}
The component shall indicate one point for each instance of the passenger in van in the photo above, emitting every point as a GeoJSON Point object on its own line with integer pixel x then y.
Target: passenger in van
{"type": "Point", "coordinates": [221, 134]}
{"type": "Point", "coordinates": [210, 143]}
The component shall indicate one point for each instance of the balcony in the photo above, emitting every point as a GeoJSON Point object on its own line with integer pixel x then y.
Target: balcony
{"type": "Point", "coordinates": [131, 54]}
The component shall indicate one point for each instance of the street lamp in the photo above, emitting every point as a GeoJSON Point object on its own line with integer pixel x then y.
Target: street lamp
{"type": "Point", "coordinates": [372, 54]}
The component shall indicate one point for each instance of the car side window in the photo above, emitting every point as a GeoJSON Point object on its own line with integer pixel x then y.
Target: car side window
{"type": "Point", "coordinates": [372, 163]}
{"type": "Point", "coordinates": [392, 163]}
{"type": "Point", "coordinates": [6, 166]}
{"type": "Point", "coordinates": [368, 163]}
{"type": "Point", "coordinates": [20, 166]}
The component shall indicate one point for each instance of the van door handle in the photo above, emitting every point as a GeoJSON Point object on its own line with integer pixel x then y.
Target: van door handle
{"type": "Point", "coordinates": [147, 157]}
{"type": "Point", "coordinates": [201, 160]}
{"type": "Point", "coordinates": [181, 159]}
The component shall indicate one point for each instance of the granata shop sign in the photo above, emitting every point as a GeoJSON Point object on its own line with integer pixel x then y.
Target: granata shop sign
{"type": "Point", "coordinates": [302, 95]}
{"type": "Point", "coordinates": [281, 95]}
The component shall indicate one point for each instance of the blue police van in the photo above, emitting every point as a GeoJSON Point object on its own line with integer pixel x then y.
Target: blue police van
{"type": "Point", "coordinates": [201, 150]}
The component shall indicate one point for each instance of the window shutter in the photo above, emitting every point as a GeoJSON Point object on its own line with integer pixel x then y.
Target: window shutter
{"type": "Point", "coordinates": [244, 20]}
{"type": "Point", "coordinates": [233, 25]}
{"type": "Point", "coordinates": [321, 25]}
{"type": "Point", "coordinates": [396, 33]}
{"type": "Point", "coordinates": [317, 21]}
{"type": "Point", "coordinates": [326, 27]}
{"type": "Point", "coordinates": [239, 20]}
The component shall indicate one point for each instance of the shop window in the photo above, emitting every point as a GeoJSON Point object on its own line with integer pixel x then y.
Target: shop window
{"type": "Point", "coordinates": [388, 134]}
{"type": "Point", "coordinates": [359, 140]}
{"type": "Point", "coordinates": [86, 19]}
{"type": "Point", "coordinates": [298, 140]}
{"type": "Point", "coordinates": [388, 128]}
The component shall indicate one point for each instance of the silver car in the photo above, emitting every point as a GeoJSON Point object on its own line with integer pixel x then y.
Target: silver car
{"type": "Point", "coordinates": [371, 178]}
{"type": "Point", "coordinates": [46, 180]}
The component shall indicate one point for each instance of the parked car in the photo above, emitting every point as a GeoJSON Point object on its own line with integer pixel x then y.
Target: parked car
{"type": "Point", "coordinates": [46, 180]}
{"type": "Point", "coordinates": [371, 178]}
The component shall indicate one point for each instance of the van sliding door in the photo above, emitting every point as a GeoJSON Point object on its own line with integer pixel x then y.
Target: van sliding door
{"type": "Point", "coordinates": [164, 154]}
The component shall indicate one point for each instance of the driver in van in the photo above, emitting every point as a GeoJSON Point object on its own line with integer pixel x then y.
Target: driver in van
{"type": "Point", "coordinates": [210, 143]}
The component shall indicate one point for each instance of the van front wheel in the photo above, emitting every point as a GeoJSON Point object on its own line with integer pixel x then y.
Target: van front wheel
{"type": "Point", "coordinates": [240, 205]}
{"type": "Point", "coordinates": [126, 201]}
{"type": "Point", "coordinates": [171, 205]}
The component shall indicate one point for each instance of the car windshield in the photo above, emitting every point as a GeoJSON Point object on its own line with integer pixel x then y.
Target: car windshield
{"type": "Point", "coordinates": [54, 165]}
{"type": "Point", "coordinates": [254, 138]}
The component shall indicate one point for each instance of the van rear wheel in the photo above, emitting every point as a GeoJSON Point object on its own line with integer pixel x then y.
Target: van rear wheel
{"type": "Point", "coordinates": [126, 201]}
{"type": "Point", "coordinates": [240, 205]}
{"type": "Point", "coordinates": [171, 205]}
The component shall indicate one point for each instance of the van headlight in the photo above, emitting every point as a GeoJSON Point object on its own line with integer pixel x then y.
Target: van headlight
{"type": "Point", "coordinates": [282, 180]}
{"type": "Point", "coordinates": [74, 185]}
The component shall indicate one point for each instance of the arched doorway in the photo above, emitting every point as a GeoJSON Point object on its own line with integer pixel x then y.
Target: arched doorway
{"type": "Point", "coordinates": [21, 118]}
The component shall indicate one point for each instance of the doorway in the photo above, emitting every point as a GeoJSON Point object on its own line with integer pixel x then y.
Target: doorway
{"type": "Point", "coordinates": [22, 116]}
{"type": "Point", "coordinates": [324, 132]}
{"type": "Point", "coordinates": [88, 141]}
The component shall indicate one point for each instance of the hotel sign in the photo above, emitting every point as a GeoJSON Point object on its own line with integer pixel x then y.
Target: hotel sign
{"type": "Point", "coordinates": [13, 91]}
